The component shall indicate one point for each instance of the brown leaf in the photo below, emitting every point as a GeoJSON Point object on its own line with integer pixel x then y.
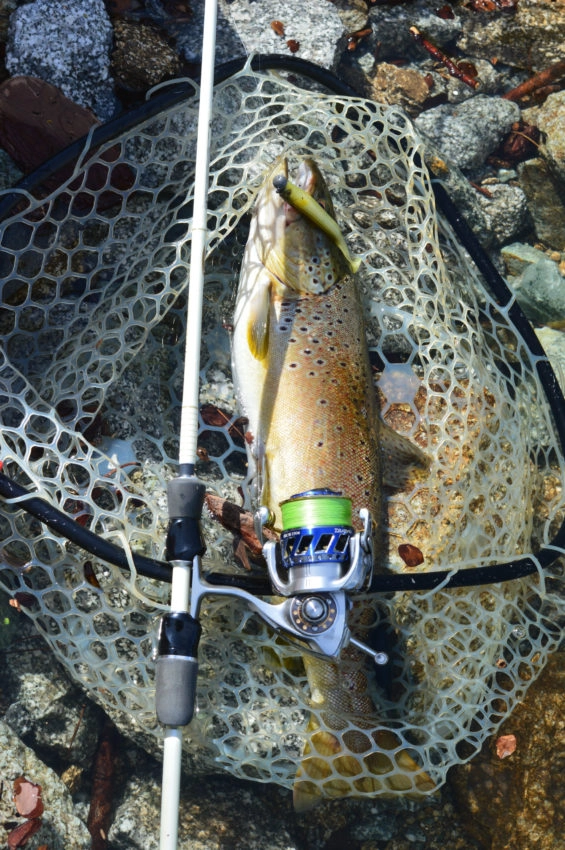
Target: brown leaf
{"type": "Point", "coordinates": [19, 836]}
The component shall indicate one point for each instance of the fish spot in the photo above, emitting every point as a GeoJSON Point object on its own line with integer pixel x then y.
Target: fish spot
{"type": "Point", "coordinates": [303, 329]}
{"type": "Point", "coordinates": [307, 351]}
{"type": "Point", "coordinates": [320, 362]}
{"type": "Point", "coordinates": [292, 365]}
{"type": "Point", "coordinates": [315, 341]}
{"type": "Point", "coordinates": [292, 339]}
{"type": "Point", "coordinates": [323, 401]}
{"type": "Point", "coordinates": [319, 444]}
{"type": "Point", "coordinates": [311, 374]}
{"type": "Point", "coordinates": [331, 347]}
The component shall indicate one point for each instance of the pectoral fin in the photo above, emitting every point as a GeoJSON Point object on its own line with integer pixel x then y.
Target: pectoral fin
{"type": "Point", "coordinates": [402, 459]}
{"type": "Point", "coordinates": [258, 321]}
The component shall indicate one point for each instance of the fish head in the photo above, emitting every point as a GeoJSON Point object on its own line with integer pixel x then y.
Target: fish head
{"type": "Point", "coordinates": [300, 257]}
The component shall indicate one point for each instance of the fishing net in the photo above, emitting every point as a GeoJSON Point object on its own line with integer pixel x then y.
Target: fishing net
{"type": "Point", "coordinates": [92, 319]}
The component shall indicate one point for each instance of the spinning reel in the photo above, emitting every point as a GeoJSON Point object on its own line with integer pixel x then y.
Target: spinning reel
{"type": "Point", "coordinates": [319, 560]}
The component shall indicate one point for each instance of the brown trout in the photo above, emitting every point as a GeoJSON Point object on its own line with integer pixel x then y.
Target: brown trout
{"type": "Point", "coordinates": [303, 379]}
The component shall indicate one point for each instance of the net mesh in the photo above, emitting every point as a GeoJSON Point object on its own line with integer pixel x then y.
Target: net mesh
{"type": "Point", "coordinates": [92, 319]}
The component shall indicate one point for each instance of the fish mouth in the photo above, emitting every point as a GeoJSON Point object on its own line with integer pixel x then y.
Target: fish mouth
{"type": "Point", "coordinates": [306, 179]}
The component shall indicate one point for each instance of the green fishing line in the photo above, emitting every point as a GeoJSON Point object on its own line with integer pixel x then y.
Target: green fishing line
{"type": "Point", "coordinates": [311, 510]}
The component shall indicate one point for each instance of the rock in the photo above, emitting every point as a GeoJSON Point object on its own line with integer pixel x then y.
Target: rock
{"type": "Point", "coordinates": [506, 212]}
{"type": "Point", "coordinates": [545, 200]}
{"type": "Point", "coordinates": [518, 256]}
{"type": "Point", "coordinates": [38, 121]}
{"type": "Point", "coordinates": [553, 342]}
{"type": "Point", "coordinates": [540, 290]}
{"type": "Point", "coordinates": [402, 87]}
{"type": "Point", "coordinates": [317, 32]}
{"type": "Point", "coordinates": [551, 119]}
{"type": "Point", "coordinates": [519, 802]}
{"type": "Point", "coordinates": [532, 36]}
{"type": "Point", "coordinates": [141, 57]}
{"type": "Point", "coordinates": [60, 828]}
{"type": "Point", "coordinates": [67, 44]}
{"type": "Point", "coordinates": [47, 710]}
{"type": "Point", "coordinates": [214, 814]}
{"type": "Point", "coordinates": [391, 29]}
{"type": "Point", "coordinates": [466, 133]}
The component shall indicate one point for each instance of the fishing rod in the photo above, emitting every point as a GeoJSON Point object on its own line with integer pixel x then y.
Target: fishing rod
{"type": "Point", "coordinates": [176, 665]}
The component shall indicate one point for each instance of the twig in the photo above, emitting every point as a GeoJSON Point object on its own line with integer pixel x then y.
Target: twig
{"type": "Point", "coordinates": [452, 68]}
{"type": "Point", "coordinates": [538, 81]}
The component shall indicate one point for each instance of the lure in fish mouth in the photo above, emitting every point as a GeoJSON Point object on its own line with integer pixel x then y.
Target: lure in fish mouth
{"type": "Point", "coordinates": [303, 378]}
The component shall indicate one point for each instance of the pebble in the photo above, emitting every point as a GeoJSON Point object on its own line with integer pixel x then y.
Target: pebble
{"type": "Point", "coordinates": [67, 44]}
{"type": "Point", "coordinates": [466, 133]}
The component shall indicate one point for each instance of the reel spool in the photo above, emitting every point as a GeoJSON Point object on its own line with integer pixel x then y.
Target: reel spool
{"type": "Point", "coordinates": [319, 551]}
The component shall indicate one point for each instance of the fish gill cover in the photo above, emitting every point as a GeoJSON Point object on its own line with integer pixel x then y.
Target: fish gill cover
{"type": "Point", "coordinates": [92, 319]}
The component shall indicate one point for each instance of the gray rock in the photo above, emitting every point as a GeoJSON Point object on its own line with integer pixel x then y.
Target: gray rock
{"type": "Point", "coordinates": [60, 829]}
{"type": "Point", "coordinates": [545, 200]}
{"type": "Point", "coordinates": [47, 709]}
{"type": "Point", "coordinates": [551, 119]}
{"type": "Point", "coordinates": [540, 290]}
{"type": "Point", "coordinates": [506, 212]}
{"type": "Point", "coordinates": [391, 29]}
{"type": "Point", "coordinates": [67, 44]}
{"type": "Point", "coordinates": [467, 132]}
{"type": "Point", "coordinates": [518, 256]}
{"type": "Point", "coordinates": [317, 32]}
{"type": "Point", "coordinates": [213, 815]}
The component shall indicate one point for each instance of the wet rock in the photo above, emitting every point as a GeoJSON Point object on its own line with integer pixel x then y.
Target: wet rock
{"type": "Point", "coordinates": [67, 44]}
{"type": "Point", "coordinates": [466, 133]}
{"type": "Point", "coordinates": [532, 36]}
{"type": "Point", "coordinates": [506, 212]}
{"type": "Point", "coordinates": [545, 200]}
{"type": "Point", "coordinates": [391, 36]}
{"type": "Point", "coordinates": [551, 118]}
{"type": "Point", "coordinates": [402, 87]}
{"type": "Point", "coordinates": [519, 801]}
{"type": "Point", "coordinates": [518, 256]}
{"type": "Point", "coordinates": [141, 57]}
{"type": "Point", "coordinates": [540, 290]}
{"type": "Point", "coordinates": [60, 828]}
